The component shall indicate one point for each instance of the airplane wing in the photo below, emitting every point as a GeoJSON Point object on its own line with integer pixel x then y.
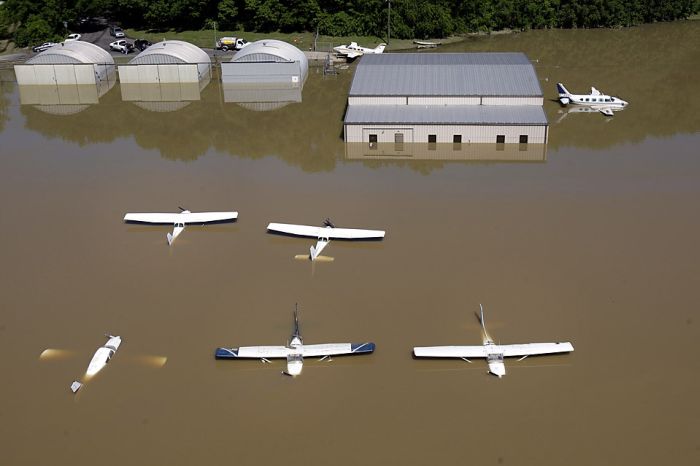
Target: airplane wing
{"type": "Point", "coordinates": [353, 233]}
{"type": "Point", "coordinates": [353, 54]}
{"type": "Point", "coordinates": [607, 111]}
{"type": "Point", "coordinates": [333, 349]}
{"type": "Point", "coordinates": [298, 230]}
{"type": "Point", "coordinates": [205, 217]}
{"type": "Point", "coordinates": [449, 351]}
{"type": "Point", "coordinates": [317, 232]}
{"type": "Point", "coordinates": [532, 349]}
{"type": "Point", "coordinates": [188, 217]}
{"type": "Point", "coordinates": [252, 352]}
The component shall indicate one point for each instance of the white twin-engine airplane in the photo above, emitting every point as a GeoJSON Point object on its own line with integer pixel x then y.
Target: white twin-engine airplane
{"type": "Point", "coordinates": [295, 351]}
{"type": "Point", "coordinates": [493, 352]}
{"type": "Point", "coordinates": [324, 234]}
{"type": "Point", "coordinates": [605, 104]}
{"type": "Point", "coordinates": [353, 50]}
{"type": "Point", "coordinates": [179, 220]}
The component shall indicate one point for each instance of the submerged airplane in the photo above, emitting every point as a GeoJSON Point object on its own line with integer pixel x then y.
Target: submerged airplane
{"type": "Point", "coordinates": [493, 352]}
{"type": "Point", "coordinates": [324, 235]}
{"type": "Point", "coordinates": [605, 104]}
{"type": "Point", "coordinates": [294, 352]}
{"type": "Point", "coordinates": [97, 363]}
{"type": "Point", "coordinates": [179, 220]}
{"type": "Point", "coordinates": [353, 50]}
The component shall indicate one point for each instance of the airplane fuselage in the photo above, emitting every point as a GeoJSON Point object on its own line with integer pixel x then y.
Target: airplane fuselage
{"type": "Point", "coordinates": [594, 99]}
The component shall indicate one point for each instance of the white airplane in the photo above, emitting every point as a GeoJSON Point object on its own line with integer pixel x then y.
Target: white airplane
{"type": "Point", "coordinates": [605, 104]}
{"type": "Point", "coordinates": [97, 363]}
{"type": "Point", "coordinates": [179, 220]}
{"type": "Point", "coordinates": [353, 50]}
{"type": "Point", "coordinates": [100, 359]}
{"type": "Point", "coordinates": [493, 352]}
{"type": "Point", "coordinates": [295, 351]}
{"type": "Point", "coordinates": [324, 235]}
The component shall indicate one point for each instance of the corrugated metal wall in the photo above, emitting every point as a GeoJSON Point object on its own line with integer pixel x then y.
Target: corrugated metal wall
{"type": "Point", "coordinates": [163, 73]}
{"type": "Point", "coordinates": [446, 133]}
{"type": "Point", "coordinates": [62, 74]}
{"type": "Point", "coordinates": [377, 100]}
{"type": "Point", "coordinates": [288, 74]}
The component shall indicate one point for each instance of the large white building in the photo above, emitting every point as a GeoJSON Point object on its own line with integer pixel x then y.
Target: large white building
{"type": "Point", "coordinates": [438, 98]}
{"type": "Point", "coordinates": [168, 62]}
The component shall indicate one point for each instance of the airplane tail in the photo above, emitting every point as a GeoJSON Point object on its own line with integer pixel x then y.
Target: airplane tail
{"type": "Point", "coordinates": [379, 48]}
{"type": "Point", "coordinates": [170, 239]}
{"type": "Point", "coordinates": [562, 90]}
{"type": "Point", "coordinates": [296, 322]}
{"type": "Point", "coordinates": [312, 252]}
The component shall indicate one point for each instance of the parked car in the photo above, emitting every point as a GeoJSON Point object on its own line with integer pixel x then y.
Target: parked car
{"type": "Point", "coordinates": [116, 31]}
{"type": "Point", "coordinates": [142, 44]}
{"type": "Point", "coordinates": [44, 46]}
{"type": "Point", "coordinates": [121, 46]}
{"type": "Point", "coordinates": [72, 37]}
{"type": "Point", "coordinates": [231, 43]}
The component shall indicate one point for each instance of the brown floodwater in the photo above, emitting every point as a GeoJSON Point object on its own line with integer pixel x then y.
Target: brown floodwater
{"type": "Point", "coordinates": [593, 239]}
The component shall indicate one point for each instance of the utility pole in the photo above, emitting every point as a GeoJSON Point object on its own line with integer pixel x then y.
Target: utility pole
{"type": "Point", "coordinates": [388, 25]}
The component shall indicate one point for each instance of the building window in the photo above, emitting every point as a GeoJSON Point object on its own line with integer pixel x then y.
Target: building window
{"type": "Point", "coordinates": [523, 139]}
{"type": "Point", "coordinates": [398, 142]}
{"type": "Point", "coordinates": [372, 141]}
{"type": "Point", "coordinates": [457, 139]}
{"type": "Point", "coordinates": [501, 139]}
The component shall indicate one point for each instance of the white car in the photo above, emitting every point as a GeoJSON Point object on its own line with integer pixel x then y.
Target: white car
{"type": "Point", "coordinates": [44, 46]}
{"type": "Point", "coordinates": [121, 46]}
{"type": "Point", "coordinates": [72, 37]}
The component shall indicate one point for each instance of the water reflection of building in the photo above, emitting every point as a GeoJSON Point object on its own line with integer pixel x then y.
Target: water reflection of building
{"type": "Point", "coordinates": [167, 97]}
{"type": "Point", "coordinates": [63, 99]}
{"type": "Point", "coordinates": [260, 98]}
{"type": "Point", "coordinates": [447, 152]}
{"type": "Point", "coordinates": [445, 98]}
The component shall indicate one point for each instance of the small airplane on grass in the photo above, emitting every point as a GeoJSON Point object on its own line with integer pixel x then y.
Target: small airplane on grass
{"type": "Point", "coordinates": [295, 351]}
{"type": "Point", "coordinates": [99, 360]}
{"type": "Point", "coordinates": [353, 50]}
{"type": "Point", "coordinates": [324, 235]}
{"type": "Point", "coordinates": [493, 352]}
{"type": "Point", "coordinates": [179, 220]}
{"type": "Point", "coordinates": [605, 104]}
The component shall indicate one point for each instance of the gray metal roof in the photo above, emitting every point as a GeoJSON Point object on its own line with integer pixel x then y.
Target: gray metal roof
{"type": "Point", "coordinates": [272, 50]}
{"type": "Point", "coordinates": [171, 51]}
{"type": "Point", "coordinates": [446, 115]}
{"type": "Point", "coordinates": [445, 74]}
{"type": "Point", "coordinates": [75, 51]}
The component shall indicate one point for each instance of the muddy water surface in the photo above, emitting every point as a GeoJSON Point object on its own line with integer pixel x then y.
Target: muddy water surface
{"type": "Point", "coordinates": [596, 243]}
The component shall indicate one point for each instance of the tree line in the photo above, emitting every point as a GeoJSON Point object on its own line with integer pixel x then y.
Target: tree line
{"type": "Point", "coordinates": [50, 19]}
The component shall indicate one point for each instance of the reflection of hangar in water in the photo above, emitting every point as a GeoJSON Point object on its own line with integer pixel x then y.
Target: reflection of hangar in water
{"type": "Point", "coordinates": [270, 62]}
{"type": "Point", "coordinates": [447, 152]}
{"type": "Point", "coordinates": [168, 62]}
{"type": "Point", "coordinates": [64, 99]}
{"type": "Point", "coordinates": [166, 97]}
{"type": "Point", "coordinates": [445, 98]}
{"type": "Point", "coordinates": [262, 98]}
{"type": "Point", "coordinates": [74, 63]}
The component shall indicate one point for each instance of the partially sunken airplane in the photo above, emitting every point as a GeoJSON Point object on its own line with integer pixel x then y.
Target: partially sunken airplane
{"type": "Point", "coordinates": [324, 235]}
{"type": "Point", "coordinates": [605, 104]}
{"type": "Point", "coordinates": [179, 220]}
{"type": "Point", "coordinates": [493, 352]}
{"type": "Point", "coordinates": [295, 351]}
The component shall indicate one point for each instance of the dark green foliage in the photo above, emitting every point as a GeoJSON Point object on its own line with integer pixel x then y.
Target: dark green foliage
{"type": "Point", "coordinates": [40, 21]}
